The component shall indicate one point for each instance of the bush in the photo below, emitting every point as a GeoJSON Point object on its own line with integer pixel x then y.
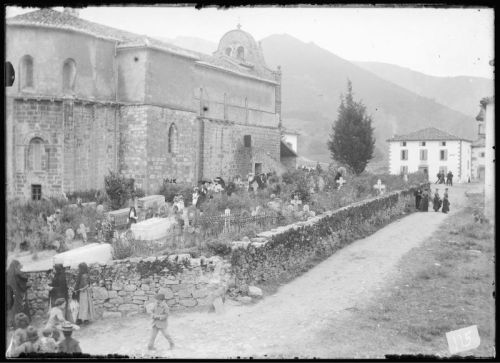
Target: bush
{"type": "Point", "coordinates": [219, 248]}
{"type": "Point", "coordinates": [119, 189]}
{"type": "Point", "coordinates": [170, 190]}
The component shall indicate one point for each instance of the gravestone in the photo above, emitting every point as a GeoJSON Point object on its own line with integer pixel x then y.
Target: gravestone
{"type": "Point", "coordinates": [149, 201]}
{"type": "Point", "coordinates": [340, 182]}
{"type": "Point", "coordinates": [305, 208]}
{"type": "Point", "coordinates": [321, 183]}
{"type": "Point", "coordinates": [296, 202]}
{"type": "Point", "coordinates": [153, 228]}
{"type": "Point", "coordinates": [379, 187]}
{"type": "Point", "coordinates": [82, 231]}
{"type": "Point", "coordinates": [70, 234]}
{"type": "Point", "coordinates": [100, 208]}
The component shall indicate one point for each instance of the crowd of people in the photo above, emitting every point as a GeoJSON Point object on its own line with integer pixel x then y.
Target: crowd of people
{"type": "Point", "coordinates": [423, 197]}
{"type": "Point", "coordinates": [440, 178]}
{"type": "Point", "coordinates": [66, 312]}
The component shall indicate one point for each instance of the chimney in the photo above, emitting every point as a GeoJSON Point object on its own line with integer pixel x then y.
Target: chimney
{"type": "Point", "coordinates": [71, 11]}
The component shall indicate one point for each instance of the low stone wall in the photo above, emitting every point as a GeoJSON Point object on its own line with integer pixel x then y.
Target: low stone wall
{"type": "Point", "coordinates": [289, 250]}
{"type": "Point", "coordinates": [125, 287]}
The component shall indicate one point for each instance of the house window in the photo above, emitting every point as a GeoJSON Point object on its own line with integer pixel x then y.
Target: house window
{"type": "Point", "coordinates": [26, 72]}
{"type": "Point", "coordinates": [35, 153]}
{"type": "Point", "coordinates": [247, 140]}
{"type": "Point", "coordinates": [36, 191]}
{"type": "Point", "coordinates": [69, 75]}
{"type": "Point", "coordinates": [172, 139]}
{"type": "Point", "coordinates": [423, 154]}
{"type": "Point", "coordinates": [240, 52]}
{"type": "Point", "coordinates": [443, 143]}
{"type": "Point", "coordinates": [404, 169]}
{"type": "Point", "coordinates": [422, 143]}
{"type": "Point", "coordinates": [403, 143]}
{"type": "Point", "coordinates": [404, 154]}
{"type": "Point", "coordinates": [443, 155]}
{"type": "Point", "coordinates": [481, 154]}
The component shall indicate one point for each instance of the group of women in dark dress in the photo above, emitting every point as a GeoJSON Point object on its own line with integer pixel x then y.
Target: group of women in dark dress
{"type": "Point", "coordinates": [17, 286]}
{"type": "Point", "coordinates": [423, 196]}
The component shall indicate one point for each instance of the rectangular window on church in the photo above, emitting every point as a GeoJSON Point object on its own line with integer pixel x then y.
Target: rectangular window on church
{"type": "Point", "coordinates": [36, 191]}
{"type": "Point", "coordinates": [443, 155]}
{"type": "Point", "coordinates": [404, 154]}
{"type": "Point", "coordinates": [247, 140]}
{"type": "Point", "coordinates": [423, 154]}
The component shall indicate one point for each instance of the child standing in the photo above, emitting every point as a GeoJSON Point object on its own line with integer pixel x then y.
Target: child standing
{"type": "Point", "coordinates": [68, 344]}
{"type": "Point", "coordinates": [160, 316]}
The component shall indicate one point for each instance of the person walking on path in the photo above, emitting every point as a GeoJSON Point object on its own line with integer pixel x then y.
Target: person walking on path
{"type": "Point", "coordinates": [17, 286]}
{"type": "Point", "coordinates": [59, 289]}
{"type": "Point", "coordinates": [418, 198]}
{"type": "Point", "coordinates": [449, 178]}
{"type": "Point", "coordinates": [160, 316]}
{"type": "Point", "coordinates": [83, 295]}
{"type": "Point", "coordinates": [436, 202]}
{"type": "Point", "coordinates": [424, 203]}
{"type": "Point", "coordinates": [446, 202]}
{"type": "Point", "coordinates": [438, 177]}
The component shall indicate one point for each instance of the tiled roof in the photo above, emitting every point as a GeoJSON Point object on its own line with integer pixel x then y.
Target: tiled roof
{"type": "Point", "coordinates": [428, 134]}
{"type": "Point", "coordinates": [54, 19]}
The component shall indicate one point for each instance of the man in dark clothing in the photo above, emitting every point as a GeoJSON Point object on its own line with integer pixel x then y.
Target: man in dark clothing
{"type": "Point", "coordinates": [438, 177]}
{"type": "Point", "coordinates": [418, 198]}
{"type": "Point", "coordinates": [449, 178]}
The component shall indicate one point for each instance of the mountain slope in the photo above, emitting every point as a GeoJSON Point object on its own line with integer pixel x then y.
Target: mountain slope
{"type": "Point", "coordinates": [313, 80]}
{"type": "Point", "coordinates": [458, 93]}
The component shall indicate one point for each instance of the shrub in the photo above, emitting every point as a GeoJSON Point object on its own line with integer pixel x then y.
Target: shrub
{"type": "Point", "coordinates": [170, 190]}
{"type": "Point", "coordinates": [219, 248]}
{"type": "Point", "coordinates": [119, 189]}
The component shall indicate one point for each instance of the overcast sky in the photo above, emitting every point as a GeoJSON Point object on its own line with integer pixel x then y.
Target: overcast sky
{"type": "Point", "coordinates": [440, 42]}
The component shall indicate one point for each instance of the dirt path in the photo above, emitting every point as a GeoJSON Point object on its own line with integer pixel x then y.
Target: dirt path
{"type": "Point", "coordinates": [285, 324]}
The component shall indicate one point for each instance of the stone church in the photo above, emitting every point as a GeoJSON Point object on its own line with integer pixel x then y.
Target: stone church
{"type": "Point", "coordinates": [88, 99]}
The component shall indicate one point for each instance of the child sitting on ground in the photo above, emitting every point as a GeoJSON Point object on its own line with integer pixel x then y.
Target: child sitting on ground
{"type": "Point", "coordinates": [68, 344]}
{"type": "Point", "coordinates": [47, 342]}
{"type": "Point", "coordinates": [31, 345]}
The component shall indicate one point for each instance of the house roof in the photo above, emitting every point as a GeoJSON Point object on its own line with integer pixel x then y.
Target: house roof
{"type": "Point", "coordinates": [50, 18]}
{"type": "Point", "coordinates": [428, 134]}
{"type": "Point", "coordinates": [289, 131]}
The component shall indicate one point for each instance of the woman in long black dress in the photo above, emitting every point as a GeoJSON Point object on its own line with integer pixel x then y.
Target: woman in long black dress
{"type": "Point", "coordinates": [418, 198]}
{"type": "Point", "coordinates": [436, 202]}
{"type": "Point", "coordinates": [446, 204]}
{"type": "Point", "coordinates": [17, 286]}
{"type": "Point", "coordinates": [59, 289]}
{"type": "Point", "coordinates": [424, 203]}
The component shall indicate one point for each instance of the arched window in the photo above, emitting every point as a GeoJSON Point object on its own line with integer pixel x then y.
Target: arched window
{"type": "Point", "coordinates": [35, 154]}
{"type": "Point", "coordinates": [172, 139]}
{"type": "Point", "coordinates": [228, 51]}
{"type": "Point", "coordinates": [69, 75]}
{"type": "Point", "coordinates": [240, 52]}
{"type": "Point", "coordinates": [26, 72]}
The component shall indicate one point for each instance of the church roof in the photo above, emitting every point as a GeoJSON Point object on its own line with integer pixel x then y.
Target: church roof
{"type": "Point", "coordinates": [50, 18]}
{"type": "Point", "coordinates": [428, 134]}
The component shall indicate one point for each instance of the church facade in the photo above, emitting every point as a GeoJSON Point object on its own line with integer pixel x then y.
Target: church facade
{"type": "Point", "coordinates": [88, 99]}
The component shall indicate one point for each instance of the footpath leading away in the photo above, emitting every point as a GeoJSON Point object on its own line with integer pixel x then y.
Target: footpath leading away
{"type": "Point", "coordinates": [287, 323]}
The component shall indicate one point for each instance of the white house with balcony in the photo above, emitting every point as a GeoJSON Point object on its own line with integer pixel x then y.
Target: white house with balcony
{"type": "Point", "coordinates": [430, 150]}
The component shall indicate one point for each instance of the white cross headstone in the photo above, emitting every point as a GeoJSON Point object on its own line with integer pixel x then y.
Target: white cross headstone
{"type": "Point", "coordinates": [82, 230]}
{"type": "Point", "coordinates": [340, 182]}
{"type": "Point", "coordinates": [380, 187]}
{"type": "Point", "coordinates": [405, 177]}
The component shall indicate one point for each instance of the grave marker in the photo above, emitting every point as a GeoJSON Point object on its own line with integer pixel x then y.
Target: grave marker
{"type": "Point", "coordinates": [380, 187]}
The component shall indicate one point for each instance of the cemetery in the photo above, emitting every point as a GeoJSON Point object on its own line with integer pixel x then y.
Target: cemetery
{"type": "Point", "coordinates": [196, 256]}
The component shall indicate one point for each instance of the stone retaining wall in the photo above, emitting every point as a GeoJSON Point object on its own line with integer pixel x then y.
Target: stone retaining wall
{"type": "Point", "coordinates": [287, 251]}
{"type": "Point", "coordinates": [125, 287]}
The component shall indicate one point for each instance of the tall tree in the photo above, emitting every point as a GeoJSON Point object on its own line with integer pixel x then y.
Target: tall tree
{"type": "Point", "coordinates": [351, 140]}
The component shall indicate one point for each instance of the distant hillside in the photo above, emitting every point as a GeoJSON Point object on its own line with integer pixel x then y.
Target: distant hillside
{"type": "Point", "coordinates": [458, 93]}
{"type": "Point", "coordinates": [313, 80]}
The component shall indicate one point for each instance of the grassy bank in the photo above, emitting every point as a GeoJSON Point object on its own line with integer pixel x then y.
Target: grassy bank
{"type": "Point", "coordinates": [443, 285]}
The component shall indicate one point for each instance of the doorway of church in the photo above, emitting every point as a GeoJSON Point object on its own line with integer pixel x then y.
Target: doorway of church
{"type": "Point", "coordinates": [258, 168]}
